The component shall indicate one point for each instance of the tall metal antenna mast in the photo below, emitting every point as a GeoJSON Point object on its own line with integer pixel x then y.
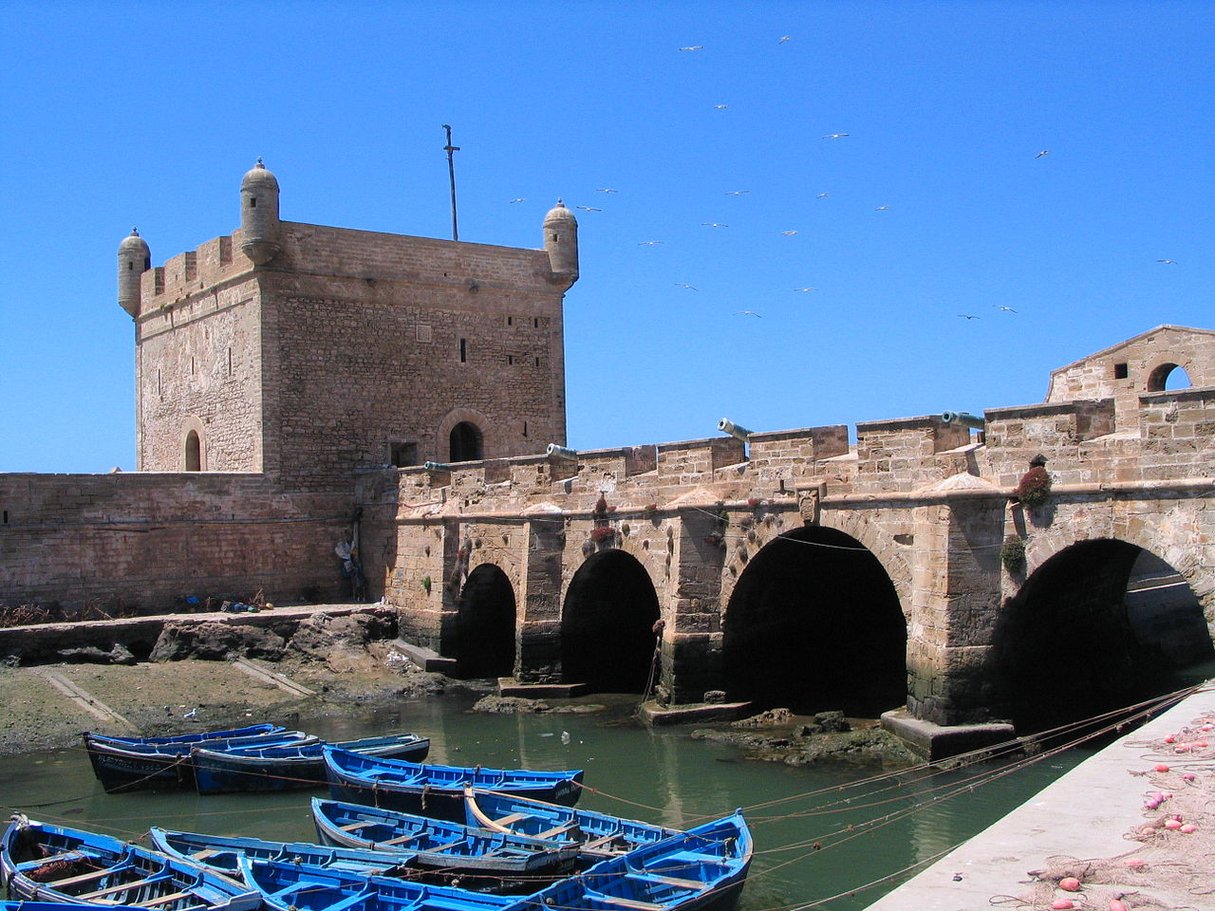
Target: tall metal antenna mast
{"type": "Point", "coordinates": [451, 171]}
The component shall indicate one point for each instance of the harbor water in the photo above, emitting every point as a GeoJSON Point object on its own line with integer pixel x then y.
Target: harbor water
{"type": "Point", "coordinates": [848, 831]}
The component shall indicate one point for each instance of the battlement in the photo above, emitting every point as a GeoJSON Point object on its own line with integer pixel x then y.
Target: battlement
{"type": "Point", "coordinates": [215, 262]}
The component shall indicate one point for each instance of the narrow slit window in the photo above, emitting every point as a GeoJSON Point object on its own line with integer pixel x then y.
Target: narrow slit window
{"type": "Point", "coordinates": [463, 351]}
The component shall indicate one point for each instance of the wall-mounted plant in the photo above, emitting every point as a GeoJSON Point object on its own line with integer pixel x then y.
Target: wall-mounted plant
{"type": "Point", "coordinates": [1034, 487]}
{"type": "Point", "coordinates": [1012, 554]}
{"type": "Point", "coordinates": [603, 533]}
{"type": "Point", "coordinates": [426, 584]}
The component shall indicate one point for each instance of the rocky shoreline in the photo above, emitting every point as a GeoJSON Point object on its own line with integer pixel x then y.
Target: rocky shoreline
{"type": "Point", "coordinates": [332, 663]}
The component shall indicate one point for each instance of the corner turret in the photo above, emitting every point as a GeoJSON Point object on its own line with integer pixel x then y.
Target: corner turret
{"type": "Point", "coordinates": [561, 243]}
{"type": "Point", "coordinates": [259, 223]}
{"type": "Point", "coordinates": [134, 259]}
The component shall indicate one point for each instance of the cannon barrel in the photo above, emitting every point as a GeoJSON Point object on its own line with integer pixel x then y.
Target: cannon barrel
{"type": "Point", "coordinates": [725, 425]}
{"type": "Point", "coordinates": [553, 451]}
{"type": "Point", "coordinates": [436, 466]}
{"type": "Point", "coordinates": [965, 419]}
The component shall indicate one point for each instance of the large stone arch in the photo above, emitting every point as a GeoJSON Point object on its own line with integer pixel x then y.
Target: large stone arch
{"type": "Point", "coordinates": [608, 617]}
{"type": "Point", "coordinates": [814, 623]}
{"type": "Point", "coordinates": [1077, 640]}
{"type": "Point", "coordinates": [1170, 529]}
{"type": "Point", "coordinates": [891, 542]}
{"type": "Point", "coordinates": [485, 629]}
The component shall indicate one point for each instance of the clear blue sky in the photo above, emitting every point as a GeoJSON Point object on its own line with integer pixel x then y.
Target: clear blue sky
{"type": "Point", "coordinates": [936, 203]}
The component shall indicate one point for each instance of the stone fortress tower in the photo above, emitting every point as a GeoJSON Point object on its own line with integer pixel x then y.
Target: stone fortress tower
{"type": "Point", "coordinates": [307, 352]}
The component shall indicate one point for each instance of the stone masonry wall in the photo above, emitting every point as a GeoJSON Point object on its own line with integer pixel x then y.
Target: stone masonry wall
{"type": "Point", "coordinates": [149, 540]}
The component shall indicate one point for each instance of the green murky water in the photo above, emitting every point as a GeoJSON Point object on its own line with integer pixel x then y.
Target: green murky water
{"type": "Point", "coordinates": [820, 831]}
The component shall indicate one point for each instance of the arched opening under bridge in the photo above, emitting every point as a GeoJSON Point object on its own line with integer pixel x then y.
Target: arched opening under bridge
{"type": "Point", "coordinates": [607, 624]}
{"type": "Point", "coordinates": [485, 624]}
{"type": "Point", "coordinates": [1099, 626]}
{"type": "Point", "coordinates": [814, 624]}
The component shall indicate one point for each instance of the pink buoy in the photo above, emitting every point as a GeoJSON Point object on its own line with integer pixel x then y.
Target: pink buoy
{"type": "Point", "coordinates": [1161, 767]}
{"type": "Point", "coordinates": [1189, 776]}
{"type": "Point", "coordinates": [1062, 904]}
{"type": "Point", "coordinates": [1172, 824]}
{"type": "Point", "coordinates": [1136, 863]}
{"type": "Point", "coordinates": [1069, 884]}
{"type": "Point", "coordinates": [1188, 828]}
{"type": "Point", "coordinates": [1170, 739]}
{"type": "Point", "coordinates": [1117, 904]}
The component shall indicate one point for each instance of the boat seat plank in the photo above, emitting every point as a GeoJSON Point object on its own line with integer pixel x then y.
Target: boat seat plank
{"type": "Point", "coordinates": [82, 878]}
{"type": "Point", "coordinates": [601, 841]}
{"type": "Point", "coordinates": [351, 826]}
{"type": "Point", "coordinates": [121, 887]}
{"type": "Point", "coordinates": [672, 880]}
{"type": "Point", "coordinates": [164, 899]}
{"type": "Point", "coordinates": [205, 853]}
{"type": "Point", "coordinates": [557, 830]}
{"type": "Point", "coordinates": [448, 846]}
{"type": "Point", "coordinates": [401, 840]}
{"type": "Point", "coordinates": [510, 818]}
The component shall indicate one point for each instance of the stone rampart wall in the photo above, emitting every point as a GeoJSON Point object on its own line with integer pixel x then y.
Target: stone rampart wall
{"type": "Point", "coordinates": [145, 541]}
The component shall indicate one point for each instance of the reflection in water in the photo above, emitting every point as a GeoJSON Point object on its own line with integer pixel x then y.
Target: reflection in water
{"type": "Point", "coordinates": [820, 830]}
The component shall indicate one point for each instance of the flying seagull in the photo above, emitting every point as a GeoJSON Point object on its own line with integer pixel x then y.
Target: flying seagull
{"type": "Point", "coordinates": [588, 208]}
{"type": "Point", "coordinates": [649, 243]}
{"type": "Point", "coordinates": [693, 47]}
{"type": "Point", "coordinates": [1042, 154]}
{"type": "Point", "coordinates": [738, 192]}
{"type": "Point", "coordinates": [882, 209]}
{"type": "Point", "coordinates": [720, 107]}
{"type": "Point", "coordinates": [750, 313]}
{"type": "Point", "coordinates": [1167, 262]}
{"type": "Point", "coordinates": [713, 224]}
{"type": "Point", "coordinates": [519, 199]}
{"type": "Point", "coordinates": [805, 290]}
{"type": "Point", "coordinates": [789, 233]}
{"type": "Point", "coordinates": [686, 286]}
{"type": "Point", "coordinates": [835, 136]}
{"type": "Point", "coordinates": [967, 316]}
{"type": "Point", "coordinates": [783, 38]}
{"type": "Point", "coordinates": [822, 196]}
{"type": "Point", "coordinates": [606, 190]}
{"type": "Point", "coordinates": [1004, 309]}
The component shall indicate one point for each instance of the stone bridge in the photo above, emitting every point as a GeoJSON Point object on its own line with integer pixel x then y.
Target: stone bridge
{"type": "Point", "coordinates": [795, 569]}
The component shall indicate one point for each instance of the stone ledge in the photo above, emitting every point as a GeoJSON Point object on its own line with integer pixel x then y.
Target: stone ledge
{"type": "Point", "coordinates": [509, 686]}
{"type": "Point", "coordinates": [425, 658]}
{"type": "Point", "coordinates": [936, 741]}
{"type": "Point", "coordinates": [653, 714]}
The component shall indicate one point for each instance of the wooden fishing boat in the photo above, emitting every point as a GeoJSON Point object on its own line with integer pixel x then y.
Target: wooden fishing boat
{"type": "Point", "coordinates": [437, 790]}
{"type": "Point", "coordinates": [284, 885]}
{"type": "Point", "coordinates": [291, 766]}
{"type": "Point", "coordinates": [598, 835]}
{"type": "Point", "coordinates": [702, 869]}
{"type": "Point", "coordinates": [48, 863]}
{"type": "Point", "coordinates": [249, 730]}
{"type": "Point", "coordinates": [123, 766]}
{"type": "Point", "coordinates": [221, 853]}
{"type": "Point", "coordinates": [441, 844]}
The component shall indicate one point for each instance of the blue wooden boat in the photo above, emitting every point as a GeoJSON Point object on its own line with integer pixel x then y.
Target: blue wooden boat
{"type": "Point", "coordinates": [598, 835]}
{"type": "Point", "coordinates": [287, 767]}
{"type": "Point", "coordinates": [221, 853]}
{"type": "Point", "coordinates": [702, 869]}
{"type": "Point", "coordinates": [248, 730]}
{"type": "Point", "coordinates": [48, 863]}
{"type": "Point", "coordinates": [437, 790]}
{"type": "Point", "coordinates": [284, 886]}
{"type": "Point", "coordinates": [128, 764]}
{"type": "Point", "coordinates": [441, 844]}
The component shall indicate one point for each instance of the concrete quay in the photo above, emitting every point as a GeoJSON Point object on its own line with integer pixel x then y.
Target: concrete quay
{"type": "Point", "coordinates": [1095, 824]}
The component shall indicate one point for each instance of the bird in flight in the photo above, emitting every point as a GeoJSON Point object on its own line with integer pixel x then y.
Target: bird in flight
{"type": "Point", "coordinates": [1004, 309]}
{"type": "Point", "coordinates": [1167, 262]}
{"type": "Point", "coordinates": [606, 190]}
{"type": "Point", "coordinates": [685, 286]}
{"type": "Point", "coordinates": [693, 47]}
{"type": "Point", "coordinates": [822, 196]}
{"type": "Point", "coordinates": [737, 192]}
{"type": "Point", "coordinates": [649, 243]}
{"type": "Point", "coordinates": [720, 107]}
{"type": "Point", "coordinates": [713, 224]}
{"type": "Point", "coordinates": [835, 136]}
{"type": "Point", "coordinates": [968, 316]}
{"type": "Point", "coordinates": [783, 38]}
{"type": "Point", "coordinates": [750, 313]}
{"type": "Point", "coordinates": [805, 290]}
{"type": "Point", "coordinates": [882, 209]}
{"type": "Point", "coordinates": [519, 199]}
{"type": "Point", "coordinates": [789, 233]}
{"type": "Point", "coordinates": [1042, 154]}
{"type": "Point", "coordinates": [588, 208]}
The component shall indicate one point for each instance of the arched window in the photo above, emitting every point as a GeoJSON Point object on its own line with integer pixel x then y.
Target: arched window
{"type": "Point", "coordinates": [193, 452]}
{"type": "Point", "coordinates": [1168, 377]}
{"type": "Point", "coordinates": [464, 443]}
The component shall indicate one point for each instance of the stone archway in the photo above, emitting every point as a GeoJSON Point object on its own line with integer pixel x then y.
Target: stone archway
{"type": "Point", "coordinates": [814, 623]}
{"type": "Point", "coordinates": [485, 624]}
{"type": "Point", "coordinates": [607, 624]}
{"type": "Point", "coordinates": [1101, 625]}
